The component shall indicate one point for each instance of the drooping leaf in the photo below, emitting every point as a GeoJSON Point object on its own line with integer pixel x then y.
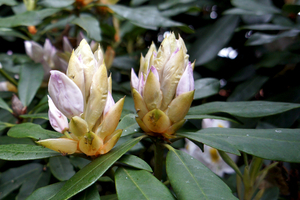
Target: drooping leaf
{"type": "Point", "coordinates": [248, 109]}
{"type": "Point", "coordinates": [15, 177]}
{"type": "Point", "coordinates": [129, 125]}
{"type": "Point", "coordinates": [135, 161]}
{"type": "Point", "coordinates": [146, 17]}
{"type": "Point", "coordinates": [46, 192]}
{"type": "Point", "coordinates": [61, 168]}
{"type": "Point", "coordinates": [263, 143]}
{"type": "Point", "coordinates": [33, 131]}
{"type": "Point", "coordinates": [248, 89]}
{"type": "Point", "coordinates": [91, 193]}
{"type": "Point", "coordinates": [31, 77]}
{"type": "Point", "coordinates": [134, 184]}
{"type": "Point", "coordinates": [213, 39]}
{"type": "Point", "coordinates": [90, 24]}
{"type": "Point", "coordinates": [4, 105]}
{"type": "Point", "coordinates": [190, 179]}
{"type": "Point", "coordinates": [56, 3]}
{"type": "Point", "coordinates": [25, 152]}
{"type": "Point", "coordinates": [206, 87]}
{"type": "Point", "coordinates": [36, 181]}
{"type": "Point", "coordinates": [93, 171]}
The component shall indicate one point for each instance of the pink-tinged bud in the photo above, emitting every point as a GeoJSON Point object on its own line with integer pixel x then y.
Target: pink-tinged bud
{"type": "Point", "coordinates": [134, 80]}
{"type": "Point", "coordinates": [65, 94]}
{"type": "Point", "coordinates": [58, 121]}
{"type": "Point", "coordinates": [67, 47]}
{"type": "Point", "coordinates": [109, 103]}
{"type": "Point", "coordinates": [155, 72]}
{"type": "Point", "coordinates": [34, 51]}
{"type": "Point", "coordinates": [141, 84]}
{"type": "Point", "coordinates": [186, 82]}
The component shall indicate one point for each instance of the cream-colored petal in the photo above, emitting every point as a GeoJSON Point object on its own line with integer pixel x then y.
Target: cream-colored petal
{"type": "Point", "coordinates": [139, 104]}
{"type": "Point", "coordinates": [90, 144]}
{"type": "Point", "coordinates": [61, 145]}
{"type": "Point", "coordinates": [111, 120]}
{"type": "Point", "coordinates": [99, 55]}
{"type": "Point", "coordinates": [172, 73]}
{"type": "Point", "coordinates": [157, 121]}
{"type": "Point", "coordinates": [146, 61]}
{"type": "Point", "coordinates": [152, 94]}
{"type": "Point", "coordinates": [142, 125]}
{"type": "Point", "coordinates": [97, 99]}
{"type": "Point", "coordinates": [180, 106]}
{"type": "Point", "coordinates": [175, 127]}
{"type": "Point", "coordinates": [78, 126]}
{"type": "Point", "coordinates": [109, 84]}
{"type": "Point", "coordinates": [110, 141]}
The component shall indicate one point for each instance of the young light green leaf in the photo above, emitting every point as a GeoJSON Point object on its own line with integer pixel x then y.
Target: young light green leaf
{"type": "Point", "coordinates": [36, 181]}
{"type": "Point", "coordinates": [140, 183]}
{"type": "Point", "coordinates": [93, 171]}
{"type": "Point", "coordinates": [25, 152]}
{"type": "Point", "coordinates": [31, 77]}
{"type": "Point", "coordinates": [90, 24]}
{"type": "Point", "coordinates": [263, 143]}
{"type": "Point", "coordinates": [190, 179]}
{"type": "Point", "coordinates": [213, 39]}
{"type": "Point", "coordinates": [135, 161]}
{"type": "Point", "coordinates": [61, 168]}
{"type": "Point", "coordinates": [4, 105]}
{"type": "Point", "coordinates": [46, 192]}
{"type": "Point", "coordinates": [206, 87]}
{"type": "Point", "coordinates": [248, 109]}
{"type": "Point", "coordinates": [15, 177]}
{"type": "Point", "coordinates": [33, 131]}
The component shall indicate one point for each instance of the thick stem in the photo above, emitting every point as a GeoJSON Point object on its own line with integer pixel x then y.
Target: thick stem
{"type": "Point", "coordinates": [158, 156]}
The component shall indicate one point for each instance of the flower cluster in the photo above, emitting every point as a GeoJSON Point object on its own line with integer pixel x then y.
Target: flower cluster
{"type": "Point", "coordinates": [164, 88]}
{"type": "Point", "coordinates": [84, 97]}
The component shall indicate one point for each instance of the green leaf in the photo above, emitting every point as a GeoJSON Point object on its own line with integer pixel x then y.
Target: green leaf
{"type": "Point", "coordinates": [135, 161]}
{"type": "Point", "coordinates": [4, 106]}
{"type": "Point", "coordinates": [255, 5]}
{"type": "Point", "coordinates": [61, 168]}
{"type": "Point", "coordinates": [90, 24]}
{"type": "Point", "coordinates": [134, 184]}
{"type": "Point", "coordinates": [212, 141]}
{"type": "Point", "coordinates": [263, 143]}
{"type": "Point", "coordinates": [8, 2]}
{"type": "Point", "coordinates": [206, 87]}
{"type": "Point", "coordinates": [93, 171]}
{"type": "Point", "coordinates": [212, 117]}
{"type": "Point", "coordinates": [36, 116]}
{"type": "Point", "coordinates": [213, 39]}
{"type": "Point", "coordinates": [46, 192]}
{"type": "Point", "coordinates": [79, 162]}
{"type": "Point", "coordinates": [129, 125]}
{"type": "Point", "coordinates": [265, 27]}
{"type": "Point", "coordinates": [261, 38]}
{"type": "Point", "coordinates": [25, 152]}
{"type": "Point", "coordinates": [271, 59]}
{"type": "Point", "coordinates": [190, 179]}
{"type": "Point", "coordinates": [28, 18]}
{"type": "Point", "coordinates": [40, 179]}
{"type": "Point", "coordinates": [271, 194]}
{"type": "Point", "coordinates": [31, 77]}
{"type": "Point", "coordinates": [248, 89]}
{"type": "Point", "coordinates": [10, 140]}
{"type": "Point", "coordinates": [109, 197]}
{"type": "Point", "coordinates": [33, 131]}
{"type": "Point", "coordinates": [15, 177]}
{"type": "Point", "coordinates": [146, 16]}
{"type": "Point", "coordinates": [56, 3]}
{"type": "Point", "coordinates": [248, 109]}
{"type": "Point", "coordinates": [91, 193]}
{"type": "Point", "coordinates": [12, 32]}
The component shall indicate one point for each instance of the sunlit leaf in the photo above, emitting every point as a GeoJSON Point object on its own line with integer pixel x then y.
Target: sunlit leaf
{"type": "Point", "coordinates": [134, 184]}
{"type": "Point", "coordinates": [93, 171]}
{"type": "Point", "coordinates": [31, 77]}
{"type": "Point", "coordinates": [33, 131]}
{"type": "Point", "coordinates": [61, 168]}
{"type": "Point", "coordinates": [247, 109]}
{"type": "Point", "coordinates": [25, 152]}
{"type": "Point", "coordinates": [190, 179]}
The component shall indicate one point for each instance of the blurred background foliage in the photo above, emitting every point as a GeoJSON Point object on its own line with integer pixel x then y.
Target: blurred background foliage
{"type": "Point", "coordinates": [244, 50]}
